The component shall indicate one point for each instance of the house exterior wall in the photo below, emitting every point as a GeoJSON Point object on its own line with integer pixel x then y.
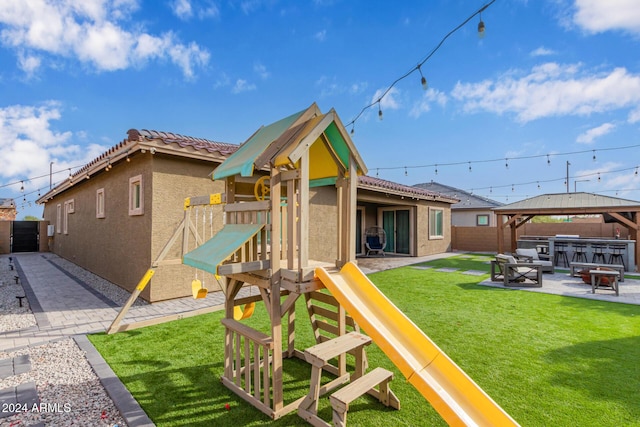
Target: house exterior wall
{"type": "Point", "coordinates": [8, 214]}
{"type": "Point", "coordinates": [116, 247]}
{"type": "Point", "coordinates": [175, 179]}
{"type": "Point", "coordinates": [425, 245]}
{"type": "Point", "coordinates": [469, 217]}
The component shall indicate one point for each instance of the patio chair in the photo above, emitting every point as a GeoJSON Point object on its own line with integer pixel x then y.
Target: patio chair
{"type": "Point", "coordinates": [375, 240]}
{"type": "Point", "coordinates": [513, 273]}
{"type": "Point", "coordinates": [531, 255]}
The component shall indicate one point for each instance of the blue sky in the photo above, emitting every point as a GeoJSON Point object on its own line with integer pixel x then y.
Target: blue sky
{"type": "Point", "coordinates": [552, 81]}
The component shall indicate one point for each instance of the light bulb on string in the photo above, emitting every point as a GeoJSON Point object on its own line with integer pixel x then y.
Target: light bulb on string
{"type": "Point", "coordinates": [548, 160]}
{"type": "Point", "coordinates": [423, 80]}
{"type": "Point", "coordinates": [598, 176]}
{"type": "Point", "coordinates": [490, 190]}
{"type": "Point", "coordinates": [353, 129]}
{"type": "Point", "coordinates": [22, 186]}
{"type": "Point", "coordinates": [405, 171]}
{"type": "Point", "coordinates": [506, 163]}
{"type": "Point", "coordinates": [481, 28]}
{"type": "Point", "coordinates": [377, 173]}
{"type": "Point", "coordinates": [512, 188]}
{"type": "Point", "coordinates": [538, 185]}
{"type": "Point", "coordinates": [469, 166]}
{"type": "Point", "coordinates": [379, 111]}
{"type": "Point", "coordinates": [437, 170]}
{"type": "Point", "coordinates": [594, 155]}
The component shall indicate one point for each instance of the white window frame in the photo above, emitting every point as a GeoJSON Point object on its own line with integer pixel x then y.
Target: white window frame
{"type": "Point", "coordinates": [100, 203]}
{"type": "Point", "coordinates": [69, 208]}
{"type": "Point", "coordinates": [59, 218]}
{"type": "Point", "coordinates": [433, 216]}
{"type": "Point", "coordinates": [136, 198]}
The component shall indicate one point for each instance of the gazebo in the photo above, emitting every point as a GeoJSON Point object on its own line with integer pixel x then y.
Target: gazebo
{"type": "Point", "coordinates": [622, 211]}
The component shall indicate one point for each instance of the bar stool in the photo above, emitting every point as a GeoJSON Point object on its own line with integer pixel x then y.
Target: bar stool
{"type": "Point", "coordinates": [599, 253]}
{"type": "Point", "coordinates": [617, 255]}
{"type": "Point", "coordinates": [560, 254]}
{"type": "Point", "coordinates": [580, 252]}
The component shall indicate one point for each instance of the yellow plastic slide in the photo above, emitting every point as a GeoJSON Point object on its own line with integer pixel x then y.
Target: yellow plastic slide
{"type": "Point", "coordinates": [456, 397]}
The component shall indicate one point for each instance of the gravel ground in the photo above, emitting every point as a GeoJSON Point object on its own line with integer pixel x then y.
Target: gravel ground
{"type": "Point", "coordinates": [65, 382]}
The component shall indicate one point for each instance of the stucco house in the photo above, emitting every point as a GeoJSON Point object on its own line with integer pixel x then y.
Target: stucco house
{"type": "Point", "coordinates": [8, 210]}
{"type": "Point", "coordinates": [471, 210]}
{"type": "Point", "coordinates": [117, 213]}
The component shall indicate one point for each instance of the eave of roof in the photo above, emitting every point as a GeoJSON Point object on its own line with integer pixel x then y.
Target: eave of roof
{"type": "Point", "coordinates": [141, 141]}
{"type": "Point", "coordinates": [383, 186]}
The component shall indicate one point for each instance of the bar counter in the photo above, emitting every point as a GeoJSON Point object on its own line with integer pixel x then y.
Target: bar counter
{"type": "Point", "coordinates": [542, 242]}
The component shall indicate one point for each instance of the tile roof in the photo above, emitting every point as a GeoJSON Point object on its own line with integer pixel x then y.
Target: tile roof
{"type": "Point", "coordinates": [376, 184]}
{"type": "Point", "coordinates": [181, 140]}
{"type": "Point", "coordinates": [7, 203]}
{"type": "Point", "coordinates": [467, 200]}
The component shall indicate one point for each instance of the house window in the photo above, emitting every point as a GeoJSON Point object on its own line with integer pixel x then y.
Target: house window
{"type": "Point", "coordinates": [436, 223]}
{"type": "Point", "coordinates": [100, 203]}
{"type": "Point", "coordinates": [482, 220]}
{"type": "Point", "coordinates": [69, 208]}
{"type": "Point", "coordinates": [136, 204]}
{"type": "Point", "coordinates": [59, 218]}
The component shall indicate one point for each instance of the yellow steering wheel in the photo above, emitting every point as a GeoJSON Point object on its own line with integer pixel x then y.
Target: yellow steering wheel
{"type": "Point", "coordinates": [261, 189]}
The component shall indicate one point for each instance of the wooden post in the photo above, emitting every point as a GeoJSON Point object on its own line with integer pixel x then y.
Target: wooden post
{"type": "Point", "coordinates": [276, 315]}
{"type": "Point", "coordinates": [501, 226]}
{"type": "Point", "coordinates": [352, 197]}
{"type": "Point", "coordinates": [303, 211]}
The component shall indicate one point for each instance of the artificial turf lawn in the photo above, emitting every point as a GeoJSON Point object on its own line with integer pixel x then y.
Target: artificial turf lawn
{"type": "Point", "coordinates": [546, 359]}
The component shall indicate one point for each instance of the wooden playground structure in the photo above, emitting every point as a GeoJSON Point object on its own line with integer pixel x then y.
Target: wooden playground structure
{"type": "Point", "coordinates": [265, 243]}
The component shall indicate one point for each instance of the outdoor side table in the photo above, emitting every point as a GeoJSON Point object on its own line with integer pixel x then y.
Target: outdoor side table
{"type": "Point", "coordinates": [598, 275]}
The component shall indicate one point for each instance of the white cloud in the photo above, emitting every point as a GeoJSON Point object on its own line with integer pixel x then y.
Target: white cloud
{"type": "Point", "coordinates": [261, 70]}
{"type": "Point", "coordinates": [551, 90]}
{"type": "Point", "coordinates": [29, 143]}
{"type": "Point", "coordinates": [542, 51]}
{"type": "Point", "coordinates": [29, 64]}
{"type": "Point", "coordinates": [242, 86]}
{"type": "Point", "coordinates": [389, 100]}
{"type": "Point", "coordinates": [597, 16]}
{"type": "Point", "coordinates": [634, 116]}
{"type": "Point", "coordinates": [430, 97]}
{"type": "Point", "coordinates": [186, 9]}
{"type": "Point", "coordinates": [589, 136]}
{"type": "Point", "coordinates": [320, 35]}
{"type": "Point", "coordinates": [182, 9]}
{"type": "Point", "coordinates": [91, 32]}
{"type": "Point", "coordinates": [330, 87]}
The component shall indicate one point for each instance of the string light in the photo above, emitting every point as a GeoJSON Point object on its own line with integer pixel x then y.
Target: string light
{"type": "Point", "coordinates": [506, 163]}
{"type": "Point", "coordinates": [22, 186]}
{"type": "Point", "coordinates": [379, 110]}
{"type": "Point", "coordinates": [511, 158]}
{"type": "Point", "coordinates": [417, 67]}
{"type": "Point", "coordinates": [423, 80]}
{"type": "Point", "coordinates": [598, 176]}
{"type": "Point", "coordinates": [405, 172]}
{"type": "Point", "coordinates": [437, 170]}
{"type": "Point", "coordinates": [594, 155]}
{"type": "Point", "coordinates": [481, 27]}
{"type": "Point", "coordinates": [469, 166]}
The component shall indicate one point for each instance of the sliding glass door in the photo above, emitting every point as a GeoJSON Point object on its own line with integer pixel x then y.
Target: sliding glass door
{"type": "Point", "coordinates": [398, 229]}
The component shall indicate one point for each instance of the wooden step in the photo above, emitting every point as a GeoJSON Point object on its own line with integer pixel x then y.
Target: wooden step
{"type": "Point", "coordinates": [341, 398]}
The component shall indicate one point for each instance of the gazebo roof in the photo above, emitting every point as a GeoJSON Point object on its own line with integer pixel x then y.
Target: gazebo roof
{"type": "Point", "coordinates": [569, 203]}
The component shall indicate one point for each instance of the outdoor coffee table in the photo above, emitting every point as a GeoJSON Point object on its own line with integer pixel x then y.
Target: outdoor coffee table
{"type": "Point", "coordinates": [598, 275]}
